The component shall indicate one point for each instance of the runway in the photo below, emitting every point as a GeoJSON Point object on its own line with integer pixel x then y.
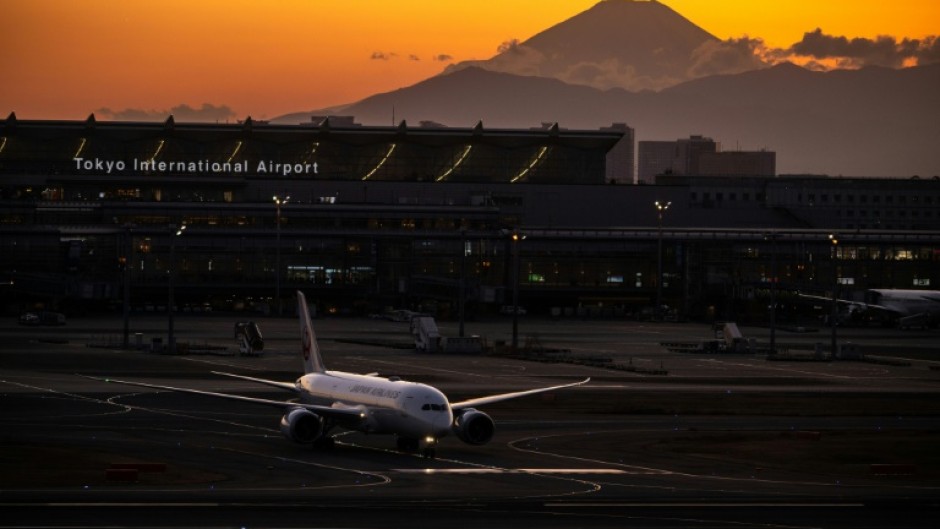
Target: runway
{"type": "Point", "coordinates": [573, 458]}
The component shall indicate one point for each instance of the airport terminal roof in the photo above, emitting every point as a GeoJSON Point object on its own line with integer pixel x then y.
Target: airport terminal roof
{"type": "Point", "coordinates": [393, 153]}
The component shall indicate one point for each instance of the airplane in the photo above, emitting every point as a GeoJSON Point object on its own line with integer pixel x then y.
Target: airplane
{"type": "Point", "coordinates": [906, 307]}
{"type": "Point", "coordinates": [418, 414]}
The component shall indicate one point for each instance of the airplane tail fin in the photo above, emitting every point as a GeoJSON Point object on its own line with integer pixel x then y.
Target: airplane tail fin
{"type": "Point", "coordinates": [313, 363]}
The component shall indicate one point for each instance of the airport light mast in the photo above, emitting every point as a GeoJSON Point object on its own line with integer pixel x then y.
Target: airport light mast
{"type": "Point", "coordinates": [834, 313]}
{"type": "Point", "coordinates": [462, 287]}
{"type": "Point", "coordinates": [772, 236]}
{"type": "Point", "coordinates": [170, 339]}
{"type": "Point", "coordinates": [515, 239]}
{"type": "Point", "coordinates": [126, 262]}
{"type": "Point", "coordinates": [660, 210]}
{"type": "Point", "coordinates": [278, 202]}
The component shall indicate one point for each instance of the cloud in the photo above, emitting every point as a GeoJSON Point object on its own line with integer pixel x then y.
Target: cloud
{"type": "Point", "coordinates": [206, 113]}
{"type": "Point", "coordinates": [382, 56]}
{"type": "Point", "coordinates": [715, 57]}
{"type": "Point", "coordinates": [929, 52]}
{"type": "Point", "coordinates": [443, 57]}
{"type": "Point", "coordinates": [508, 45]}
{"type": "Point", "coordinates": [414, 57]}
{"type": "Point", "coordinates": [515, 58]}
{"type": "Point", "coordinates": [858, 52]}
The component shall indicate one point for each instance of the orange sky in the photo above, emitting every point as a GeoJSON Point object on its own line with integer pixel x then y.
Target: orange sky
{"type": "Point", "coordinates": [66, 59]}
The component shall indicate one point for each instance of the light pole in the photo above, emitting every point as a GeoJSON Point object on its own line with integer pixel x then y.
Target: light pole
{"type": "Point", "coordinates": [278, 202]}
{"type": "Point", "coordinates": [462, 287]}
{"type": "Point", "coordinates": [834, 314]}
{"type": "Point", "coordinates": [170, 340]}
{"type": "Point", "coordinates": [127, 262]}
{"type": "Point", "coordinates": [660, 210]}
{"type": "Point", "coordinates": [516, 238]}
{"type": "Point", "coordinates": [773, 291]}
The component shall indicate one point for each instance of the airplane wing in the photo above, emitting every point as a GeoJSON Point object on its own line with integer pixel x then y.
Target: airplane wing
{"type": "Point", "coordinates": [481, 401]}
{"type": "Point", "coordinates": [290, 386]}
{"type": "Point", "coordinates": [343, 414]}
{"type": "Point", "coordinates": [860, 304]}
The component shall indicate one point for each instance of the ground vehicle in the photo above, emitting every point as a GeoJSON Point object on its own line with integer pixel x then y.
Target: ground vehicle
{"type": "Point", "coordinates": [42, 318]}
{"type": "Point", "coordinates": [249, 339]}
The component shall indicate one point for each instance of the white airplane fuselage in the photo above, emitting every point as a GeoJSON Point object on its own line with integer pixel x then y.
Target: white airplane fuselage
{"type": "Point", "coordinates": [906, 302]}
{"type": "Point", "coordinates": [408, 409]}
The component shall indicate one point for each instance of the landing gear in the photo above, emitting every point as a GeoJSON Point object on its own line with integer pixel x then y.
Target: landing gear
{"type": "Point", "coordinates": [426, 447]}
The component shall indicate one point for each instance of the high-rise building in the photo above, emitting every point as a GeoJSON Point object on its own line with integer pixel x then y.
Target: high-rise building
{"type": "Point", "coordinates": [620, 159]}
{"type": "Point", "coordinates": [689, 153]}
{"type": "Point", "coordinates": [655, 158]}
{"type": "Point", "coordinates": [700, 156]}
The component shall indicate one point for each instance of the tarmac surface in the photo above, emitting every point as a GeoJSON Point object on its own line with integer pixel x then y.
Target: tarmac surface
{"type": "Point", "coordinates": [657, 439]}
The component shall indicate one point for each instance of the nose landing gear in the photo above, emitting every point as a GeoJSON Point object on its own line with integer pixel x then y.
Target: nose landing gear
{"type": "Point", "coordinates": [425, 446]}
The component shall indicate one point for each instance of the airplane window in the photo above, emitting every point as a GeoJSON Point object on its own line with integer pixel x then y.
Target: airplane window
{"type": "Point", "coordinates": [426, 407]}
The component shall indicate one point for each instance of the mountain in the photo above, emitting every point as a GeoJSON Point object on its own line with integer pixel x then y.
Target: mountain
{"type": "Point", "coordinates": [601, 67]}
{"type": "Point", "coordinates": [636, 45]}
{"type": "Point", "coordinates": [869, 122]}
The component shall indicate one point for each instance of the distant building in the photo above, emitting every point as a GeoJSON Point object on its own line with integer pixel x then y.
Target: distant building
{"type": "Point", "coordinates": [738, 163]}
{"type": "Point", "coordinates": [700, 156]}
{"type": "Point", "coordinates": [655, 158]}
{"type": "Point", "coordinates": [621, 158]}
{"type": "Point", "coordinates": [689, 153]}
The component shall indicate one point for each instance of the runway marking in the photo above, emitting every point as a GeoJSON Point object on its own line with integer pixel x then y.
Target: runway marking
{"type": "Point", "coordinates": [785, 370]}
{"type": "Point", "coordinates": [594, 505]}
{"type": "Point", "coordinates": [226, 364]}
{"type": "Point", "coordinates": [124, 408]}
{"type": "Point", "coordinates": [494, 470]}
{"type": "Point", "coordinates": [632, 469]}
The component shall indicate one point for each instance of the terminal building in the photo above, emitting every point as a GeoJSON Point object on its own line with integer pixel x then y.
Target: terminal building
{"type": "Point", "coordinates": [367, 218]}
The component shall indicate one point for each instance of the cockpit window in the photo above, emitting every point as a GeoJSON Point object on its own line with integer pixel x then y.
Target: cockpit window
{"type": "Point", "coordinates": [434, 407]}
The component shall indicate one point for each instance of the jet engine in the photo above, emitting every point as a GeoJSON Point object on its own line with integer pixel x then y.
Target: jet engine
{"type": "Point", "coordinates": [301, 426]}
{"type": "Point", "coordinates": [474, 427]}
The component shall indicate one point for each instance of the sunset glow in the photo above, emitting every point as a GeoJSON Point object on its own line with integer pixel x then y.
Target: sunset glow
{"type": "Point", "coordinates": [64, 60]}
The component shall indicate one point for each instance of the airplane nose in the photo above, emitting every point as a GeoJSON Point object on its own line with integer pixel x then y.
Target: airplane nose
{"type": "Point", "coordinates": [442, 423]}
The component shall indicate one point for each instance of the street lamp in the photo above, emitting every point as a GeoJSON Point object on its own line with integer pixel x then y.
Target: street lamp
{"type": "Point", "coordinates": [174, 233]}
{"type": "Point", "coordinates": [660, 210]}
{"type": "Point", "coordinates": [278, 202]}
